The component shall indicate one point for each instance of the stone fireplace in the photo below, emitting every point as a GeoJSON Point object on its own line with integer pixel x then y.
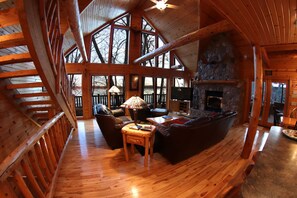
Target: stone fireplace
{"type": "Point", "coordinates": [213, 100]}
{"type": "Point", "coordinates": [216, 87]}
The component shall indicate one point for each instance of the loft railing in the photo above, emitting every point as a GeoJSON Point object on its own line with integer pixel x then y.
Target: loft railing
{"type": "Point", "coordinates": [40, 22]}
{"type": "Point", "coordinates": [31, 169]}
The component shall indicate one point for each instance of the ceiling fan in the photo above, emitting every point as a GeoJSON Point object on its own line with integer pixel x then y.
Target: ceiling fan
{"type": "Point", "coordinates": [161, 5]}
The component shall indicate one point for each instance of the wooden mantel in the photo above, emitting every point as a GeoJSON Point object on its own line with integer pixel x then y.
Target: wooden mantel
{"type": "Point", "coordinates": [224, 82]}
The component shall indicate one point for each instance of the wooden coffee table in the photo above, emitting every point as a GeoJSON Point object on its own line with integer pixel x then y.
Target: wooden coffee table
{"type": "Point", "coordinates": [161, 120]}
{"type": "Point", "coordinates": [140, 137]}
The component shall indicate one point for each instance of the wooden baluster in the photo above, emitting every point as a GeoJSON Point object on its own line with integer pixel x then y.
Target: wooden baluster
{"type": "Point", "coordinates": [21, 184]}
{"type": "Point", "coordinates": [37, 170]}
{"type": "Point", "coordinates": [50, 150]}
{"type": "Point", "coordinates": [57, 136]}
{"type": "Point", "coordinates": [31, 178]}
{"type": "Point", "coordinates": [46, 156]}
{"type": "Point", "coordinates": [53, 143]}
{"type": "Point", "coordinates": [6, 190]}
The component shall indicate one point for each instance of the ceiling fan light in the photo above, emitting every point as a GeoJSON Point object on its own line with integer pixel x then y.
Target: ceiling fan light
{"type": "Point", "coordinates": [161, 5]}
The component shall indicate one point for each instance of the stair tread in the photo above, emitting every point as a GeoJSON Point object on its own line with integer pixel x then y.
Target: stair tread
{"type": "Point", "coordinates": [12, 40]}
{"type": "Point", "coordinates": [36, 102]}
{"type": "Point", "coordinates": [38, 109]}
{"type": "Point", "coordinates": [20, 73]}
{"type": "Point", "coordinates": [15, 58]}
{"type": "Point", "coordinates": [27, 95]}
{"type": "Point", "coordinates": [24, 85]}
{"type": "Point", "coordinates": [8, 17]}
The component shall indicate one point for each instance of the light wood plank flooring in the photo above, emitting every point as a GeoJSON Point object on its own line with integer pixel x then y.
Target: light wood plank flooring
{"type": "Point", "coordinates": [91, 169]}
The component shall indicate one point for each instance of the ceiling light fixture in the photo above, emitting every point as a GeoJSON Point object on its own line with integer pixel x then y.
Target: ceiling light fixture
{"type": "Point", "coordinates": [161, 5]}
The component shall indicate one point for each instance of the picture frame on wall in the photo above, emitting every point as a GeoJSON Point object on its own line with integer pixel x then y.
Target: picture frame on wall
{"type": "Point", "coordinates": [134, 82]}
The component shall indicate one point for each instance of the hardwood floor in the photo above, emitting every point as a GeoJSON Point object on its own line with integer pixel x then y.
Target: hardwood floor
{"type": "Point", "coordinates": [91, 169]}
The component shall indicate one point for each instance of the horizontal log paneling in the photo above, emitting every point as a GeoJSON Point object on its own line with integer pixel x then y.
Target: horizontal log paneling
{"type": "Point", "coordinates": [14, 128]}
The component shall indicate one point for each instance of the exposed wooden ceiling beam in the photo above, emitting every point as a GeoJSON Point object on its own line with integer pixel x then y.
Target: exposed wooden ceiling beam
{"type": "Point", "coordinates": [208, 31]}
{"type": "Point", "coordinates": [12, 40]}
{"type": "Point", "coordinates": [8, 17]}
{"type": "Point", "coordinates": [24, 85]}
{"type": "Point", "coordinates": [281, 47]}
{"type": "Point", "coordinates": [75, 25]}
{"type": "Point", "coordinates": [265, 57]}
{"type": "Point", "coordinates": [15, 58]}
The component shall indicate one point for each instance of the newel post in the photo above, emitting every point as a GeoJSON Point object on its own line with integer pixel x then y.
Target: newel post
{"type": "Point", "coordinates": [254, 118]}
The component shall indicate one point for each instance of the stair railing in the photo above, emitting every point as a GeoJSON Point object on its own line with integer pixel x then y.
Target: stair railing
{"type": "Point", "coordinates": [31, 169]}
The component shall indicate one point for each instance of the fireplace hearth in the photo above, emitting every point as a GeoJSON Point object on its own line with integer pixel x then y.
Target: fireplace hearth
{"type": "Point", "coordinates": [213, 100]}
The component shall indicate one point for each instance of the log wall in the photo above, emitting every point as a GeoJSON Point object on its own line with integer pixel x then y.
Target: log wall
{"type": "Point", "coordinates": [15, 128]}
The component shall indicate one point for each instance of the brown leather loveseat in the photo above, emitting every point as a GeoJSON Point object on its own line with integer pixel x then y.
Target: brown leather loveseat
{"type": "Point", "coordinates": [178, 142]}
{"type": "Point", "coordinates": [111, 126]}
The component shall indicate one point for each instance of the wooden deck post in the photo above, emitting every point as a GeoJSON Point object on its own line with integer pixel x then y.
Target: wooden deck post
{"type": "Point", "coordinates": [254, 118]}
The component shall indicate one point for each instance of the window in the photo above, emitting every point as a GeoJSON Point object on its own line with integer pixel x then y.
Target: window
{"type": "Point", "coordinates": [161, 92]}
{"type": "Point", "coordinates": [76, 86]}
{"type": "Point", "coordinates": [100, 46]}
{"type": "Point", "coordinates": [146, 26]}
{"type": "Point", "coordinates": [179, 66]}
{"type": "Point", "coordinates": [102, 40]}
{"type": "Point", "coordinates": [179, 82]}
{"type": "Point", "coordinates": [117, 99]}
{"type": "Point", "coordinates": [148, 44]}
{"type": "Point", "coordinates": [148, 90]}
{"type": "Point", "coordinates": [164, 59]}
{"type": "Point", "coordinates": [99, 89]}
{"type": "Point", "coordinates": [120, 46]}
{"type": "Point", "coordinates": [74, 57]}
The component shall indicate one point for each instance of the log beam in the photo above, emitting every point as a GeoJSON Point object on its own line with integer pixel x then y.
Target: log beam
{"type": "Point", "coordinates": [258, 78]}
{"type": "Point", "coordinates": [12, 40]}
{"type": "Point", "coordinates": [20, 73]}
{"type": "Point", "coordinates": [24, 85]}
{"type": "Point", "coordinates": [8, 17]}
{"type": "Point", "coordinates": [208, 31]}
{"type": "Point", "coordinates": [75, 26]}
{"type": "Point", "coordinates": [265, 57]}
{"type": "Point", "coordinates": [15, 58]}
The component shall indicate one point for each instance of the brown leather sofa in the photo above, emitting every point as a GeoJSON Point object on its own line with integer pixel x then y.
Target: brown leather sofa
{"type": "Point", "coordinates": [178, 142]}
{"type": "Point", "coordinates": [111, 126]}
{"type": "Point", "coordinates": [142, 114]}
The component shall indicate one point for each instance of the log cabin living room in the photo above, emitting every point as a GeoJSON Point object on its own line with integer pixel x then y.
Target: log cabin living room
{"type": "Point", "coordinates": [148, 98]}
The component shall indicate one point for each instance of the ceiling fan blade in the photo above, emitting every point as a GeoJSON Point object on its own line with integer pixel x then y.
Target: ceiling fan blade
{"type": "Point", "coordinates": [171, 6]}
{"type": "Point", "coordinates": [150, 8]}
{"type": "Point", "coordinates": [165, 1]}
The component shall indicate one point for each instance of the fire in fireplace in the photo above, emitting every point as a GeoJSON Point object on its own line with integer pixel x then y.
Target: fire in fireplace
{"type": "Point", "coordinates": [213, 100]}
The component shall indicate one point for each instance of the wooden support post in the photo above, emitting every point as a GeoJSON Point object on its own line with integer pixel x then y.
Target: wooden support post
{"type": "Point", "coordinates": [86, 95]}
{"type": "Point", "coordinates": [258, 78]}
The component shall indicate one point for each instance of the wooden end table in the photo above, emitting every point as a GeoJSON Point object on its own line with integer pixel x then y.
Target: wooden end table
{"type": "Point", "coordinates": [140, 137]}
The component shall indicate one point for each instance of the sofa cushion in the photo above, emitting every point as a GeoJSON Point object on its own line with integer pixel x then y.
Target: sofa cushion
{"type": "Point", "coordinates": [118, 112]}
{"type": "Point", "coordinates": [118, 121]}
{"type": "Point", "coordinates": [164, 130]}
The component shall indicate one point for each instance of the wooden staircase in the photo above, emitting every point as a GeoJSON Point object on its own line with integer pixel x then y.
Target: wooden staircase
{"type": "Point", "coordinates": [32, 70]}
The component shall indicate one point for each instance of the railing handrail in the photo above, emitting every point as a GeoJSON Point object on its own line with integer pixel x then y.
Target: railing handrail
{"type": "Point", "coordinates": [7, 165]}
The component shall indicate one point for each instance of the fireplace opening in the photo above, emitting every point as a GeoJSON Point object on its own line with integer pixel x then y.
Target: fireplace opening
{"type": "Point", "coordinates": [213, 100]}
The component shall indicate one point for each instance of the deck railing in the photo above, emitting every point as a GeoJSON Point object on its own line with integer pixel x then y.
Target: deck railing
{"type": "Point", "coordinates": [30, 170]}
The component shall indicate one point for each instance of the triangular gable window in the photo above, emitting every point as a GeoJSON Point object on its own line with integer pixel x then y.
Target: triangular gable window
{"type": "Point", "coordinates": [74, 57]}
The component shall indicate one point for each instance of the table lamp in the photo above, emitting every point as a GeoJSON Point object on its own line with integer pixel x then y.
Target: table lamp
{"type": "Point", "coordinates": [135, 103]}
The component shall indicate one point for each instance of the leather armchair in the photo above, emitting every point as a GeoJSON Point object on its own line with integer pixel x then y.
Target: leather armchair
{"type": "Point", "coordinates": [111, 129]}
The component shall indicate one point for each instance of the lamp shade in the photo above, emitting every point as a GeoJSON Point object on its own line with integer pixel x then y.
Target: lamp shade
{"type": "Point", "coordinates": [114, 89]}
{"type": "Point", "coordinates": [134, 102]}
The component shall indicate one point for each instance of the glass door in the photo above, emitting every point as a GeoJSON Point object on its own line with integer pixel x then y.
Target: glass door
{"type": "Point", "coordinates": [277, 102]}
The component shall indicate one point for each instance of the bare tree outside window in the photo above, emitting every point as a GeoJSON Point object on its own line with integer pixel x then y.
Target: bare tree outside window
{"type": "Point", "coordinates": [124, 21]}
{"type": "Point", "coordinates": [146, 26]}
{"type": "Point", "coordinates": [120, 46]}
{"type": "Point", "coordinates": [100, 46]}
{"type": "Point", "coordinates": [148, 44]}
{"type": "Point", "coordinates": [74, 57]}
{"type": "Point", "coordinates": [164, 59]}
